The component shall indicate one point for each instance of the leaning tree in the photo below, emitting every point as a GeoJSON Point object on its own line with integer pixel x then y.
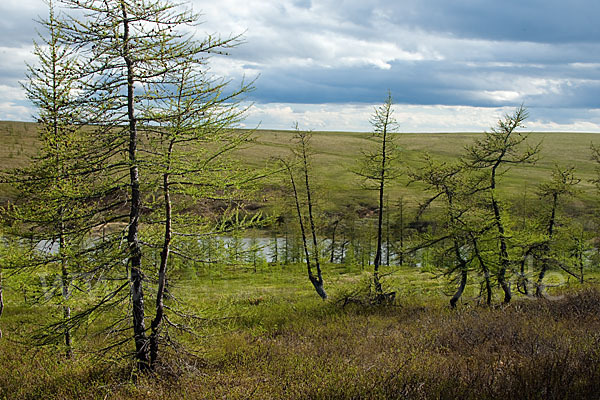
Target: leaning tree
{"type": "Point", "coordinates": [302, 162]}
{"type": "Point", "coordinates": [501, 147]}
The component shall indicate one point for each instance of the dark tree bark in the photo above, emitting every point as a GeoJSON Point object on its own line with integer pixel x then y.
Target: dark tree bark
{"type": "Point", "coordinates": [387, 232]}
{"type": "Point", "coordinates": [401, 206]}
{"type": "Point", "coordinates": [335, 225]}
{"type": "Point", "coordinates": [484, 268]}
{"type": "Point", "coordinates": [65, 281]}
{"type": "Point", "coordinates": [523, 278]}
{"type": "Point", "coordinates": [135, 252]}
{"type": "Point", "coordinates": [462, 263]}
{"type": "Point", "coordinates": [504, 261]}
{"type": "Point", "coordinates": [539, 292]}
{"type": "Point", "coordinates": [343, 251]}
{"type": "Point", "coordinates": [377, 261]}
{"type": "Point", "coordinates": [162, 270]}
{"type": "Point", "coordinates": [463, 279]}
{"type": "Point", "coordinates": [316, 282]}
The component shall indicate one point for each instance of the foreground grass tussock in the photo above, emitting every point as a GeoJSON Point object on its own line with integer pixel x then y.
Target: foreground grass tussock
{"type": "Point", "coordinates": [537, 349]}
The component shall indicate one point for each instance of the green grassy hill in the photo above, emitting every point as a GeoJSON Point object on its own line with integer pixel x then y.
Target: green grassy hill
{"type": "Point", "coordinates": [18, 141]}
{"type": "Point", "coordinates": [336, 154]}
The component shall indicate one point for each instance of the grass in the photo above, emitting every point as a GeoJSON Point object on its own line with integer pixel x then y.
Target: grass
{"type": "Point", "coordinates": [268, 336]}
{"type": "Point", "coordinates": [336, 154]}
{"type": "Point", "coordinates": [19, 141]}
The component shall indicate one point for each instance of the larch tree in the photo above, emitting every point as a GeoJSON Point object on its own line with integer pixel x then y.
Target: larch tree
{"type": "Point", "coordinates": [562, 184]}
{"type": "Point", "coordinates": [448, 184]}
{"type": "Point", "coordinates": [501, 147]}
{"type": "Point", "coordinates": [312, 255]}
{"type": "Point", "coordinates": [50, 191]}
{"type": "Point", "coordinates": [190, 145]}
{"type": "Point", "coordinates": [128, 52]}
{"type": "Point", "coordinates": [379, 168]}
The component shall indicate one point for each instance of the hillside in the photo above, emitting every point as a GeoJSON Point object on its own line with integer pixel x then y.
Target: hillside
{"type": "Point", "coordinates": [336, 154]}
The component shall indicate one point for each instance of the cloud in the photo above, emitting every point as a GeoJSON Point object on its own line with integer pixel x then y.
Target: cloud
{"type": "Point", "coordinates": [415, 118]}
{"type": "Point", "coordinates": [13, 62]}
{"type": "Point", "coordinates": [17, 26]}
{"type": "Point", "coordinates": [318, 58]}
{"type": "Point", "coordinates": [426, 52]}
{"type": "Point", "coordinates": [540, 21]}
{"type": "Point", "coordinates": [10, 111]}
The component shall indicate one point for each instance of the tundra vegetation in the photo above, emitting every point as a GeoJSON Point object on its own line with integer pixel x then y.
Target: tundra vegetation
{"type": "Point", "coordinates": [448, 273]}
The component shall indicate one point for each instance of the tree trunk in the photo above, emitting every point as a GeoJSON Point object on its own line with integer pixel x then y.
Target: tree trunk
{"type": "Point", "coordinates": [377, 261]}
{"type": "Point", "coordinates": [524, 280]}
{"type": "Point", "coordinates": [318, 285]}
{"type": "Point", "coordinates": [463, 275]}
{"type": "Point", "coordinates": [319, 278]}
{"type": "Point", "coordinates": [162, 270]}
{"type": "Point", "coordinates": [62, 241]}
{"type": "Point", "coordinates": [331, 258]}
{"type": "Point", "coordinates": [65, 294]}
{"type": "Point", "coordinates": [343, 251]}
{"type": "Point", "coordinates": [486, 271]}
{"type": "Point", "coordinates": [135, 252]}
{"type": "Point", "coordinates": [503, 255]}
{"type": "Point", "coordinates": [401, 231]}
{"type": "Point", "coordinates": [580, 258]}
{"type": "Point", "coordinates": [539, 291]}
{"type": "Point", "coordinates": [387, 231]}
{"type": "Point", "coordinates": [461, 286]}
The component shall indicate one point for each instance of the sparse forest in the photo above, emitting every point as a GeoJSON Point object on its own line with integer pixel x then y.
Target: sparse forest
{"type": "Point", "coordinates": [151, 248]}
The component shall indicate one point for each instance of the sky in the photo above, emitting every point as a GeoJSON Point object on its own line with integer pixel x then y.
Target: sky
{"type": "Point", "coordinates": [450, 66]}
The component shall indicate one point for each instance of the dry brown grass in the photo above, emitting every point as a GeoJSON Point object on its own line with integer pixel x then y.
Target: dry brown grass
{"type": "Point", "coordinates": [531, 349]}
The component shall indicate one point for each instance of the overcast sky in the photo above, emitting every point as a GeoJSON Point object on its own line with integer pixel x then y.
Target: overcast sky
{"type": "Point", "coordinates": [450, 65]}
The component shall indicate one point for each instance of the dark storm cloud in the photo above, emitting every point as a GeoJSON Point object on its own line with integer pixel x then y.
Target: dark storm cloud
{"type": "Point", "coordinates": [464, 52]}
{"type": "Point", "coordinates": [541, 21]}
{"type": "Point", "coordinates": [474, 53]}
{"type": "Point", "coordinates": [432, 82]}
